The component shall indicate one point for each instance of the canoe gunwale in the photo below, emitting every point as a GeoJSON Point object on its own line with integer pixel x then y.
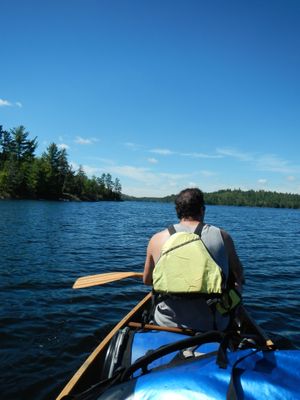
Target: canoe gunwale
{"type": "Point", "coordinates": [79, 374]}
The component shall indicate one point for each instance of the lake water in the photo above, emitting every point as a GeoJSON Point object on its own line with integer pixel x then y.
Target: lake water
{"type": "Point", "coordinates": [47, 329]}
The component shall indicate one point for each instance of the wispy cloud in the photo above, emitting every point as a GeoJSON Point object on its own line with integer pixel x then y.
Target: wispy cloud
{"type": "Point", "coordinates": [262, 181]}
{"type": "Point", "coordinates": [6, 103]}
{"type": "Point", "coordinates": [141, 175]}
{"type": "Point", "coordinates": [207, 173]}
{"type": "Point", "coordinates": [231, 152]}
{"type": "Point", "coordinates": [132, 146]}
{"type": "Point", "coordinates": [273, 163]}
{"type": "Point", "coordinates": [201, 155]}
{"type": "Point", "coordinates": [137, 173]}
{"type": "Point", "coordinates": [168, 152]}
{"type": "Point", "coordinates": [152, 160]}
{"type": "Point", "coordinates": [162, 152]}
{"type": "Point", "coordinates": [154, 184]}
{"type": "Point", "coordinates": [103, 160]}
{"type": "Point", "coordinates": [141, 181]}
{"type": "Point", "coordinates": [63, 146]}
{"type": "Point", "coordinates": [291, 178]}
{"type": "Point", "coordinates": [89, 170]}
{"type": "Point", "coordinates": [174, 176]}
{"type": "Point", "coordinates": [84, 141]}
{"type": "Point", "coordinates": [192, 184]}
{"type": "Point", "coordinates": [265, 162]}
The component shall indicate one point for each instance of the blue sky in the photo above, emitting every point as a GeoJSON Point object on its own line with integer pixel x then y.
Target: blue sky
{"type": "Point", "coordinates": [161, 94]}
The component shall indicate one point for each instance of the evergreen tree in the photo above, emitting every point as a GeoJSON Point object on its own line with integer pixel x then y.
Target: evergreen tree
{"type": "Point", "coordinates": [21, 147]}
{"type": "Point", "coordinates": [5, 146]}
{"type": "Point", "coordinates": [55, 170]}
{"type": "Point", "coordinates": [22, 175]}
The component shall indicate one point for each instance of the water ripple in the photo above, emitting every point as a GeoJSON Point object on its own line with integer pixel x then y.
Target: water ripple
{"type": "Point", "coordinates": [48, 329]}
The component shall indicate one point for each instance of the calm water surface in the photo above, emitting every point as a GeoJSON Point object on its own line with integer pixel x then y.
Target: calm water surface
{"type": "Point", "coordinates": [47, 329]}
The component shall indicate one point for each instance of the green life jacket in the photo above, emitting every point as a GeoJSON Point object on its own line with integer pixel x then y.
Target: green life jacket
{"type": "Point", "coordinates": [185, 267]}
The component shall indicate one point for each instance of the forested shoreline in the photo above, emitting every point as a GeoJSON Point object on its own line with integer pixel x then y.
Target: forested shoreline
{"type": "Point", "coordinates": [237, 197]}
{"type": "Point", "coordinates": [23, 175]}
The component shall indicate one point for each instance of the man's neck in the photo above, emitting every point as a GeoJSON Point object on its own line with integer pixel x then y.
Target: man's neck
{"type": "Point", "coordinates": [191, 221]}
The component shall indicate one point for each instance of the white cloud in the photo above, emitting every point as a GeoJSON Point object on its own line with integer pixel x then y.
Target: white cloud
{"type": "Point", "coordinates": [207, 173]}
{"type": "Point", "coordinates": [103, 160]}
{"type": "Point", "coordinates": [168, 152]}
{"type": "Point", "coordinates": [63, 146]}
{"type": "Point", "coordinates": [231, 152]}
{"type": "Point", "coordinates": [201, 155]}
{"type": "Point", "coordinates": [152, 160]}
{"type": "Point", "coordinates": [84, 141]}
{"type": "Point", "coordinates": [162, 152]}
{"type": "Point", "coordinates": [262, 181]}
{"type": "Point", "coordinates": [139, 174]}
{"type": "Point", "coordinates": [174, 176]}
{"type": "Point", "coordinates": [86, 168]}
{"type": "Point", "coordinates": [74, 165]}
{"type": "Point", "coordinates": [192, 184]}
{"type": "Point", "coordinates": [138, 181]}
{"type": "Point", "coordinates": [5, 103]}
{"type": "Point", "coordinates": [272, 163]}
{"type": "Point", "coordinates": [291, 178]}
{"type": "Point", "coordinates": [265, 162]}
{"type": "Point", "coordinates": [132, 146]}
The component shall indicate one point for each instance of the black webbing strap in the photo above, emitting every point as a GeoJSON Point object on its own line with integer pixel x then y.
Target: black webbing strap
{"type": "Point", "coordinates": [144, 361]}
{"type": "Point", "coordinates": [171, 230]}
{"type": "Point", "coordinates": [197, 231]}
{"type": "Point", "coordinates": [199, 228]}
{"type": "Point", "coordinates": [232, 392]}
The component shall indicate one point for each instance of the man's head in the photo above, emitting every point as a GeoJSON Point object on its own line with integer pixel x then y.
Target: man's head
{"type": "Point", "coordinates": [189, 203]}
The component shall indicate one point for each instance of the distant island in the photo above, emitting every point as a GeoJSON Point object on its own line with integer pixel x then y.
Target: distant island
{"type": "Point", "coordinates": [237, 197]}
{"type": "Point", "coordinates": [49, 177]}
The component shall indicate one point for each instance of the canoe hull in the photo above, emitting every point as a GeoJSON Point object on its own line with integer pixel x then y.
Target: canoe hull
{"type": "Point", "coordinates": [194, 375]}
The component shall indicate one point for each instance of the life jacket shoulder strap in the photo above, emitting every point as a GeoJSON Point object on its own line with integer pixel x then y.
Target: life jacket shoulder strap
{"type": "Point", "coordinates": [171, 229]}
{"type": "Point", "coordinates": [197, 231]}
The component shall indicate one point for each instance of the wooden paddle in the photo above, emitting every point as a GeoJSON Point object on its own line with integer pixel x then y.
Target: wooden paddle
{"type": "Point", "coordinates": [101, 279]}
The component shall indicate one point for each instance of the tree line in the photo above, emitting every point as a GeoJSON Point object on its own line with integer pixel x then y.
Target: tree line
{"type": "Point", "coordinates": [238, 197]}
{"type": "Point", "coordinates": [252, 198]}
{"type": "Point", "coordinates": [23, 175]}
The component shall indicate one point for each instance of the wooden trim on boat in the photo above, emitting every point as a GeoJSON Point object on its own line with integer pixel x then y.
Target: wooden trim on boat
{"type": "Point", "coordinates": [139, 325]}
{"type": "Point", "coordinates": [76, 377]}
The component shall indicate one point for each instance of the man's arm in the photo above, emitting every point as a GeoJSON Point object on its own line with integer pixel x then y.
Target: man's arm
{"type": "Point", "coordinates": [149, 264]}
{"type": "Point", "coordinates": [235, 264]}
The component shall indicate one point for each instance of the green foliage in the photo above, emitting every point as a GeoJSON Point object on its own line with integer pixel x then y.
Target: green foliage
{"type": "Point", "coordinates": [253, 198]}
{"type": "Point", "coordinates": [23, 175]}
{"type": "Point", "coordinates": [238, 197]}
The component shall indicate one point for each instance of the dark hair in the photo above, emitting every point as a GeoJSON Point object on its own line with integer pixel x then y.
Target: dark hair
{"type": "Point", "coordinates": [189, 202]}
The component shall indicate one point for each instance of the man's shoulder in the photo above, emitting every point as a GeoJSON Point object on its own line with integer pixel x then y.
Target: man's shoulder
{"type": "Point", "coordinates": [158, 239]}
{"type": "Point", "coordinates": [160, 235]}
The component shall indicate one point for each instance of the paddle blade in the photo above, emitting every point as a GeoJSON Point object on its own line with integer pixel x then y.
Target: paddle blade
{"type": "Point", "coordinates": [101, 279]}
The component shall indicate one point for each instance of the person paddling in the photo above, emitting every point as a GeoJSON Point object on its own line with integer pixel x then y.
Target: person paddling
{"type": "Point", "coordinates": [187, 271]}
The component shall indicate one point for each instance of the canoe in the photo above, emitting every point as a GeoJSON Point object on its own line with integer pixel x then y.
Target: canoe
{"type": "Point", "coordinates": [139, 360]}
